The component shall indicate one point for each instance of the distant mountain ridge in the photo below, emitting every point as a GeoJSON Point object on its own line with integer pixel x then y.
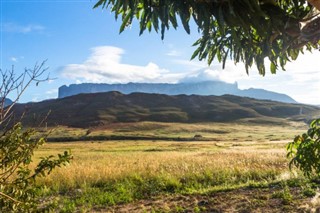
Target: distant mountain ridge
{"type": "Point", "coordinates": [89, 110]}
{"type": "Point", "coordinates": [194, 88]}
{"type": "Point", "coordinates": [7, 102]}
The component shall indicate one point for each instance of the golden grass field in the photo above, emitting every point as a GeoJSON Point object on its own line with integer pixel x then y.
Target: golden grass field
{"type": "Point", "coordinates": [239, 155]}
{"type": "Point", "coordinates": [111, 160]}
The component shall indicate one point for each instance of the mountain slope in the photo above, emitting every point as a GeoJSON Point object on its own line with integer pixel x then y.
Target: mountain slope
{"type": "Point", "coordinates": [196, 88]}
{"type": "Point", "coordinates": [87, 110]}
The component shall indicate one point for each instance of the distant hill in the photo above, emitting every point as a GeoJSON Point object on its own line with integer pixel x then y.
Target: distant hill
{"type": "Point", "coordinates": [7, 102]}
{"type": "Point", "coordinates": [192, 88]}
{"type": "Point", "coordinates": [88, 110]}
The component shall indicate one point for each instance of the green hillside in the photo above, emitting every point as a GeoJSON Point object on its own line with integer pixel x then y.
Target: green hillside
{"type": "Point", "coordinates": [89, 110]}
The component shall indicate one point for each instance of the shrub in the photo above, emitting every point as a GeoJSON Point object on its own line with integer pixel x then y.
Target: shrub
{"type": "Point", "coordinates": [17, 180]}
{"type": "Point", "coordinates": [304, 151]}
{"type": "Point", "coordinates": [18, 192]}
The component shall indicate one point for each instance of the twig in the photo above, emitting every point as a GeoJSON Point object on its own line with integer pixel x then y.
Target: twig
{"type": "Point", "coordinates": [8, 197]}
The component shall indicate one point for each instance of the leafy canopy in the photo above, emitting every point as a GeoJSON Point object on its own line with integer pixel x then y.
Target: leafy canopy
{"type": "Point", "coordinates": [244, 30]}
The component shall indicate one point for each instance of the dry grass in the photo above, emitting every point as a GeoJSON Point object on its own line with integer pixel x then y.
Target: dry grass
{"type": "Point", "coordinates": [124, 171]}
{"type": "Point", "coordinates": [96, 162]}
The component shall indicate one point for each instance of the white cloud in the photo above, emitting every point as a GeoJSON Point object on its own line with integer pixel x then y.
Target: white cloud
{"type": "Point", "coordinates": [16, 28]}
{"type": "Point", "coordinates": [52, 91]}
{"type": "Point", "coordinates": [173, 53]}
{"type": "Point", "coordinates": [300, 81]}
{"type": "Point", "coordinates": [104, 66]}
{"type": "Point", "coordinates": [50, 81]}
{"type": "Point", "coordinates": [14, 59]}
{"type": "Point", "coordinates": [230, 74]}
{"type": "Point", "coordinates": [191, 64]}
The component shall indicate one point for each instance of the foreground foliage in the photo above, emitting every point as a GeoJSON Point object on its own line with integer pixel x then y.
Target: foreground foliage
{"type": "Point", "coordinates": [305, 150]}
{"type": "Point", "coordinates": [18, 189]}
{"type": "Point", "coordinates": [244, 30]}
{"type": "Point", "coordinates": [17, 180]}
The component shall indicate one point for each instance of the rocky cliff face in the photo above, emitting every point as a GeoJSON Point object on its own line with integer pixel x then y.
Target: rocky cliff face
{"type": "Point", "coordinates": [197, 88]}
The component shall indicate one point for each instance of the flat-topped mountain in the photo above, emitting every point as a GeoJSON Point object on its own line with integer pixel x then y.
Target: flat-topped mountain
{"type": "Point", "coordinates": [88, 110]}
{"type": "Point", "coordinates": [193, 88]}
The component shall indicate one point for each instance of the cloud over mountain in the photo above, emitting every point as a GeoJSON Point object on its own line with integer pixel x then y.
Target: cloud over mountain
{"type": "Point", "coordinates": [104, 66]}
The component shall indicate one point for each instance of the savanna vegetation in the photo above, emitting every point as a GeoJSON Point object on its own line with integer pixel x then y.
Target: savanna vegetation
{"type": "Point", "coordinates": [231, 173]}
{"type": "Point", "coordinates": [161, 166]}
{"type": "Point", "coordinates": [247, 163]}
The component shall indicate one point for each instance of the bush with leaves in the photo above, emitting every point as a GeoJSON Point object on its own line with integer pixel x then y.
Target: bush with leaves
{"type": "Point", "coordinates": [17, 180]}
{"type": "Point", "coordinates": [304, 151]}
{"type": "Point", "coordinates": [18, 191]}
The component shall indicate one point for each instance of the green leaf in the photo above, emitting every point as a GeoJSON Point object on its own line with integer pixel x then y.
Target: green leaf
{"type": "Point", "coordinates": [101, 3]}
{"type": "Point", "coordinates": [273, 68]}
{"type": "Point", "coordinates": [195, 53]}
{"type": "Point", "coordinates": [125, 21]}
{"type": "Point", "coordinates": [149, 26]}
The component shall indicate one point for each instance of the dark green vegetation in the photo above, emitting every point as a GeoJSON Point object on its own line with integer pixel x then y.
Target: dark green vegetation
{"type": "Point", "coordinates": [305, 149]}
{"type": "Point", "coordinates": [247, 31]}
{"type": "Point", "coordinates": [98, 109]}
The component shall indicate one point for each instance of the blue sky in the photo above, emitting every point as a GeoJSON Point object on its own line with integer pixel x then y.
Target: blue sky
{"type": "Point", "coordinates": [82, 44]}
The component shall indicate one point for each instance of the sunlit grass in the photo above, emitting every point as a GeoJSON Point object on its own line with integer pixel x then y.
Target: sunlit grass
{"type": "Point", "coordinates": [111, 172]}
{"type": "Point", "coordinates": [96, 162]}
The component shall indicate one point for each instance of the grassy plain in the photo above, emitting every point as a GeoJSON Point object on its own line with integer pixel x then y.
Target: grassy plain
{"type": "Point", "coordinates": [244, 160]}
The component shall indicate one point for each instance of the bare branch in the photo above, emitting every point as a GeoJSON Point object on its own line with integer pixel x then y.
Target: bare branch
{"type": "Point", "coordinates": [11, 83]}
